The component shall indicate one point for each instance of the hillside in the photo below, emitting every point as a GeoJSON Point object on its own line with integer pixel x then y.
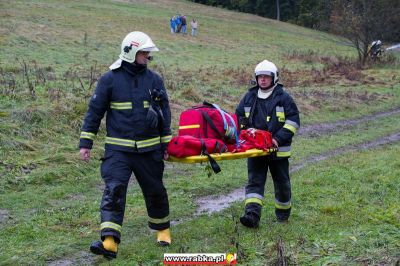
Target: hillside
{"type": "Point", "coordinates": [346, 167]}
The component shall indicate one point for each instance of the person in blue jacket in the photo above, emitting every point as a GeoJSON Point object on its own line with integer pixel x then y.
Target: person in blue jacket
{"type": "Point", "coordinates": [172, 24]}
{"type": "Point", "coordinates": [138, 132]}
{"type": "Point", "coordinates": [178, 23]}
{"type": "Point", "coordinates": [267, 106]}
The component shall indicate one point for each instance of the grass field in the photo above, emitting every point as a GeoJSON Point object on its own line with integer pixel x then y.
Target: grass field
{"type": "Point", "coordinates": [345, 208]}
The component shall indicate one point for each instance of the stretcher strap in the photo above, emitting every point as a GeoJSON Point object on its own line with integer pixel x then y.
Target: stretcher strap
{"type": "Point", "coordinates": [214, 165]}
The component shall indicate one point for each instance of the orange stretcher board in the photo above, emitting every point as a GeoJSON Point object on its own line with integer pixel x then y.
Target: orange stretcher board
{"type": "Point", "coordinates": [221, 156]}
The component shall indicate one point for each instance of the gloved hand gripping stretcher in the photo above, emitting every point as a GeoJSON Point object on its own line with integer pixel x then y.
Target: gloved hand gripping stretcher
{"type": "Point", "coordinates": [207, 133]}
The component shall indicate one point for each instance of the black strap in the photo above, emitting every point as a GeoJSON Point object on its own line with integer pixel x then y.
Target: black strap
{"type": "Point", "coordinates": [208, 104]}
{"type": "Point", "coordinates": [218, 148]}
{"type": "Point", "coordinates": [215, 167]}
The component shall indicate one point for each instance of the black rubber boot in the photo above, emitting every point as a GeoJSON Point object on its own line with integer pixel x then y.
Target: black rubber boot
{"type": "Point", "coordinates": [250, 220]}
{"type": "Point", "coordinates": [97, 248]}
{"type": "Point", "coordinates": [282, 215]}
{"type": "Point", "coordinates": [251, 217]}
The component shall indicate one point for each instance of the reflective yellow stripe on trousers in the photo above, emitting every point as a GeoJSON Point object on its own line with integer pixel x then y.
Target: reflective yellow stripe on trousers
{"type": "Point", "coordinates": [159, 220]}
{"type": "Point", "coordinates": [111, 225]}
{"type": "Point", "coordinates": [253, 200]}
{"type": "Point", "coordinates": [283, 205]}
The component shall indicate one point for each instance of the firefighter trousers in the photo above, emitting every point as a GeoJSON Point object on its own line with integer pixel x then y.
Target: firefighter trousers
{"type": "Point", "coordinates": [116, 170]}
{"type": "Point", "coordinates": [257, 176]}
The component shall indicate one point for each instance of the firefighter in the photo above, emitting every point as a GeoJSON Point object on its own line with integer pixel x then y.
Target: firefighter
{"type": "Point", "coordinates": [138, 132]}
{"type": "Point", "coordinates": [267, 106]}
{"type": "Point", "coordinates": [375, 51]}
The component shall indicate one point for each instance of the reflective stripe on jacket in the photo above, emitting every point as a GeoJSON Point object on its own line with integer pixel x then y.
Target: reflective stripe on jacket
{"type": "Point", "coordinates": [125, 94]}
{"type": "Point", "coordinates": [278, 114]}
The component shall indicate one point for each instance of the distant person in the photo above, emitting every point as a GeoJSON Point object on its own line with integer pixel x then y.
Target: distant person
{"type": "Point", "coordinates": [138, 132]}
{"type": "Point", "coordinates": [375, 50]}
{"type": "Point", "coordinates": [193, 26]}
{"type": "Point", "coordinates": [183, 24]}
{"type": "Point", "coordinates": [178, 23]}
{"type": "Point", "coordinates": [172, 22]}
{"type": "Point", "coordinates": [267, 106]}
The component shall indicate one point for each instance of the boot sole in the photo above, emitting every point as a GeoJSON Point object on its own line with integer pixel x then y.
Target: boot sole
{"type": "Point", "coordinates": [163, 243]}
{"type": "Point", "coordinates": [102, 251]}
{"type": "Point", "coordinates": [248, 224]}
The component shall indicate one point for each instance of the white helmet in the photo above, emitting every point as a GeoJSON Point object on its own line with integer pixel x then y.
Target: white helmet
{"type": "Point", "coordinates": [267, 68]}
{"type": "Point", "coordinates": [132, 43]}
{"type": "Point", "coordinates": [378, 42]}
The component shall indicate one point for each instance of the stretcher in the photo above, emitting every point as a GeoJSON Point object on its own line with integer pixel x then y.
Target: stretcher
{"type": "Point", "coordinates": [222, 156]}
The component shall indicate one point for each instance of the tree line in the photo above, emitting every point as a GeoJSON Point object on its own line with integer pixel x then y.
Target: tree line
{"type": "Point", "coordinates": [380, 17]}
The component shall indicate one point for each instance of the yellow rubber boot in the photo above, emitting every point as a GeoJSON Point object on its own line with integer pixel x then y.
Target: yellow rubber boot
{"type": "Point", "coordinates": [110, 244]}
{"type": "Point", "coordinates": [164, 237]}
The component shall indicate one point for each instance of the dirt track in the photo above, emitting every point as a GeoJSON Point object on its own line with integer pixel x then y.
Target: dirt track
{"type": "Point", "coordinates": [322, 128]}
{"type": "Point", "coordinates": [212, 204]}
{"type": "Point", "coordinates": [217, 203]}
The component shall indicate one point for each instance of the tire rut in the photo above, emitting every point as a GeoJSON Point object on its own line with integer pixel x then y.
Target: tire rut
{"type": "Point", "coordinates": [217, 203]}
{"type": "Point", "coordinates": [322, 128]}
{"type": "Point", "coordinates": [212, 204]}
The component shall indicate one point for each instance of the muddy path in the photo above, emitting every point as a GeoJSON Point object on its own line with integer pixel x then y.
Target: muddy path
{"type": "Point", "coordinates": [217, 203]}
{"type": "Point", "coordinates": [315, 130]}
{"type": "Point", "coordinates": [213, 204]}
{"type": "Point", "coordinates": [81, 258]}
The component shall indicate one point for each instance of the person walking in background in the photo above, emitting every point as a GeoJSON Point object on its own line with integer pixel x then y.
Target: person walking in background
{"type": "Point", "coordinates": [193, 26]}
{"type": "Point", "coordinates": [267, 106]}
{"type": "Point", "coordinates": [138, 132]}
{"type": "Point", "coordinates": [178, 23]}
{"type": "Point", "coordinates": [183, 23]}
{"type": "Point", "coordinates": [172, 24]}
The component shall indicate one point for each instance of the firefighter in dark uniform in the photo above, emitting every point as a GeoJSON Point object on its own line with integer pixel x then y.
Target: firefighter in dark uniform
{"type": "Point", "coordinates": [138, 132]}
{"type": "Point", "coordinates": [268, 106]}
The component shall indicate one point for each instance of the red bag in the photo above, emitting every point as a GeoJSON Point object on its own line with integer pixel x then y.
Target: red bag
{"type": "Point", "coordinates": [184, 146]}
{"type": "Point", "coordinates": [252, 138]}
{"type": "Point", "coordinates": [208, 121]}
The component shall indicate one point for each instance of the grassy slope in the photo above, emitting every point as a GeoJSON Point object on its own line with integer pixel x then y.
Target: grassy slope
{"type": "Point", "coordinates": [50, 199]}
{"type": "Point", "coordinates": [343, 214]}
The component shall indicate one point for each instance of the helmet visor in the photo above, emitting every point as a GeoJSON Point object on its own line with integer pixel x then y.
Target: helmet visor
{"type": "Point", "coordinates": [264, 72]}
{"type": "Point", "coordinates": [150, 49]}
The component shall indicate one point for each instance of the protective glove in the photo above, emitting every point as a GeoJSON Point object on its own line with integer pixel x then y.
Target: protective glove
{"type": "Point", "coordinates": [158, 95]}
{"type": "Point", "coordinates": [244, 123]}
{"type": "Point", "coordinates": [152, 118]}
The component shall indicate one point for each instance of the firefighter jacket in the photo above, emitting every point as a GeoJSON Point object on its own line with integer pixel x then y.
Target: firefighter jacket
{"type": "Point", "coordinates": [278, 114]}
{"type": "Point", "coordinates": [126, 94]}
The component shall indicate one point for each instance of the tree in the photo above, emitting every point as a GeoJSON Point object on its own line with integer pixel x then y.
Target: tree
{"type": "Point", "coordinates": [278, 12]}
{"type": "Point", "coordinates": [362, 21]}
{"type": "Point", "coordinates": [315, 14]}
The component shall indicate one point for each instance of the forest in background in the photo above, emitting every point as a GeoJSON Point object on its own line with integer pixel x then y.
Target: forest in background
{"type": "Point", "coordinates": [379, 16]}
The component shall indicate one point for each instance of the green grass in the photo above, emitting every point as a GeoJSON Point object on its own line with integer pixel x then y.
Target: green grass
{"type": "Point", "coordinates": [343, 214]}
{"type": "Point", "coordinates": [345, 210]}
